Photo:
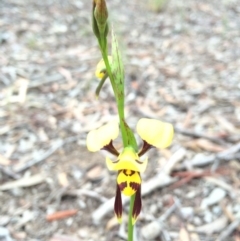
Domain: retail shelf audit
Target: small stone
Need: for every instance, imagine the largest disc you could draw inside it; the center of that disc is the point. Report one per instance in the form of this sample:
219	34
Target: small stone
17	192
208	217
214	197
69	221
187	212
236	208
4	220
217	210
197	221
191	194
76	127
4	234
82	204
153	209
151	230
83	233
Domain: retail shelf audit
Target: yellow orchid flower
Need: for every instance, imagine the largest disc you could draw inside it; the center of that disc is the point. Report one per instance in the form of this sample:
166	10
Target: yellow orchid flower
101	68
128	165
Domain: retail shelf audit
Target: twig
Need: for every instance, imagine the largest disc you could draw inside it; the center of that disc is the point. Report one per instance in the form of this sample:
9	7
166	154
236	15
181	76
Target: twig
228	230
89	193
173	160
166	215
48	153
48	80
199	135
227	155
61	215
187	176
9	172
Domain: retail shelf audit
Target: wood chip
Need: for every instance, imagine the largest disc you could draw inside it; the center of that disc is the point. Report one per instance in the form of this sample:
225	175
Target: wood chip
63	180
4	161
61	215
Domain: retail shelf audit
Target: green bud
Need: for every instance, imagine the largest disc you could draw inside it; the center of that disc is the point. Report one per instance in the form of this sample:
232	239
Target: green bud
101	15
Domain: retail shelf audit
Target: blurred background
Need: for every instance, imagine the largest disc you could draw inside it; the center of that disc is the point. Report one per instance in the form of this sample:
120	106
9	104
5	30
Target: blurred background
182	65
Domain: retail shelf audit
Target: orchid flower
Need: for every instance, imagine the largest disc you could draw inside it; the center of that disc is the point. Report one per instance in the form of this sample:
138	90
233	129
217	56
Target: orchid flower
154	133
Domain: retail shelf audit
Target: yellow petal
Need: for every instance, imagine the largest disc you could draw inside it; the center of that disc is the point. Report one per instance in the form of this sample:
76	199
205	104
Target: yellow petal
155	132
108	132
101	68
93	144
128	159
97	139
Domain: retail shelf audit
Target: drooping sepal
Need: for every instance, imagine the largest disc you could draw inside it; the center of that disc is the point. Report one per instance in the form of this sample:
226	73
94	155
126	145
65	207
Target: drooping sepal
118	204
137	206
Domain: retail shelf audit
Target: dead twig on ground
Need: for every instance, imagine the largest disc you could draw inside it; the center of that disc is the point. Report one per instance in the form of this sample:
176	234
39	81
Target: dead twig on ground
185	132
88	193
48	153
9	172
187	176
228	230
232	153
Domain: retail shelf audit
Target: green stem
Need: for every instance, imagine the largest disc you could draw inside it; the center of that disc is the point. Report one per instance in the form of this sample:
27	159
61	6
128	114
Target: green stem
130	226
100	85
120	105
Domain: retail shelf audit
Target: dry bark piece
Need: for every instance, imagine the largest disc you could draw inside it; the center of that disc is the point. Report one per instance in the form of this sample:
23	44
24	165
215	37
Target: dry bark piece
213	227
61	215
60	237
24	182
184	235
63	180
4	161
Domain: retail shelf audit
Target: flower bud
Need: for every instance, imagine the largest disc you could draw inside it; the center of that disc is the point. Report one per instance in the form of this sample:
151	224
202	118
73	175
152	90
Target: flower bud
100	16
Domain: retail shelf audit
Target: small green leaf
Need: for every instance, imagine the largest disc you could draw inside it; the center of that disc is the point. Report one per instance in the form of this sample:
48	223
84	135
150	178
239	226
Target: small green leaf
117	70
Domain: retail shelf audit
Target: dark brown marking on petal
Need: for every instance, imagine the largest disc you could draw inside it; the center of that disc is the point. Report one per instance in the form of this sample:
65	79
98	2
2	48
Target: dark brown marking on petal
118	203
145	148
134	185
126	172
110	148
122	185
137	206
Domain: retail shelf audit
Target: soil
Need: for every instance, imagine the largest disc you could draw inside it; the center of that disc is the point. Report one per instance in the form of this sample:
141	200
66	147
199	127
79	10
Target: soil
181	65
